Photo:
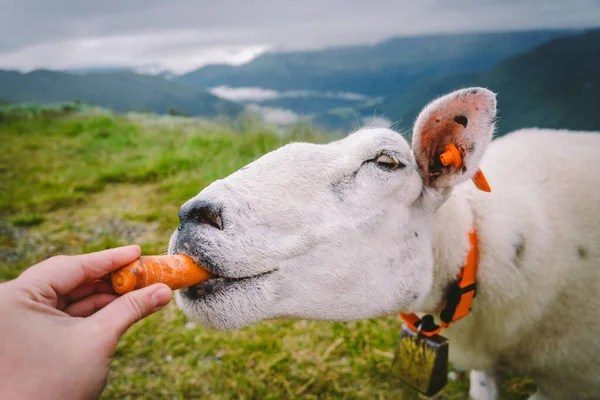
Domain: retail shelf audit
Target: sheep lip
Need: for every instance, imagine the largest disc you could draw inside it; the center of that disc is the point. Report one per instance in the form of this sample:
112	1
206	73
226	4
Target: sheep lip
218	284
212	269
239	278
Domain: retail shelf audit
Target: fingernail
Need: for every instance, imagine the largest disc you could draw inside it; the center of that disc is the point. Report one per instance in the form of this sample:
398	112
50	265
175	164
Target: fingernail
161	297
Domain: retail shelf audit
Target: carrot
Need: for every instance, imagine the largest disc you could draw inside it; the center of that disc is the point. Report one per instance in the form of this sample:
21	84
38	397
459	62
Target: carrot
176	271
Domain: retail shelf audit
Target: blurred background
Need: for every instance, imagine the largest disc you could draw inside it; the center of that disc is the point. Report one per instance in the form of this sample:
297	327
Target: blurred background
114	113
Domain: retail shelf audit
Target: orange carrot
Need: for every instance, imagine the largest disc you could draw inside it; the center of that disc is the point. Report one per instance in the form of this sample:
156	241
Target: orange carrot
176	271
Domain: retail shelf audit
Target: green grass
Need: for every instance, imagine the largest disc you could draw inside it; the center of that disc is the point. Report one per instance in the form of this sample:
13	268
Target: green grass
80	182
28	220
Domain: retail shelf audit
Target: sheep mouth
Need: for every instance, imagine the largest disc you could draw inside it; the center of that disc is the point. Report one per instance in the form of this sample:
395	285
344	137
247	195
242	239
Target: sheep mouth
220	284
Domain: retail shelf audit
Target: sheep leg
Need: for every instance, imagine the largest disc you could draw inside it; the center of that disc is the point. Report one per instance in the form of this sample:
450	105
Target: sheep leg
483	385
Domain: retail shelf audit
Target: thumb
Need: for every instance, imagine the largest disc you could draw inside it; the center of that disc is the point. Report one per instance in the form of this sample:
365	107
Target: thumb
128	309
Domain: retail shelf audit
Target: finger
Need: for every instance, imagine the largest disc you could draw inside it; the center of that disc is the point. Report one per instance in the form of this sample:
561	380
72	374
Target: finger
89	305
65	273
88	289
128	309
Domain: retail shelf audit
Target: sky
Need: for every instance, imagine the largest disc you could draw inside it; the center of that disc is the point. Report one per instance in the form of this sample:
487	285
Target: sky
182	35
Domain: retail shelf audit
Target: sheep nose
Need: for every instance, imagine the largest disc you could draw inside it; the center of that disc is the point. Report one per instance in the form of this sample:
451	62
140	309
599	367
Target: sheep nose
201	212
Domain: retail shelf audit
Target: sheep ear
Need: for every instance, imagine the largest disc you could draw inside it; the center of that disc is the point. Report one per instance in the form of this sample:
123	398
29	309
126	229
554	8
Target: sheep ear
465	119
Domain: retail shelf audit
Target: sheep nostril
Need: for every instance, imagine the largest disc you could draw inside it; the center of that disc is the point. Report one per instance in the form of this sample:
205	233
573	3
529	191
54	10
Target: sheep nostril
212	220
203	213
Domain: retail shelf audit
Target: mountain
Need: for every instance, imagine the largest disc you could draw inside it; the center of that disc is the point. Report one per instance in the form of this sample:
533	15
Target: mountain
372	70
119	90
555	85
543	78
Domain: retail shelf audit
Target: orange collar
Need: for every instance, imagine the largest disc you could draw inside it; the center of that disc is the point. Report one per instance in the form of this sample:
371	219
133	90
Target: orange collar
461	293
458	300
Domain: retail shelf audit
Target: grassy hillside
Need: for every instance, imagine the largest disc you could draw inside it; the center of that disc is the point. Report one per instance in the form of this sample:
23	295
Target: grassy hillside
555	85
77	182
375	69
119	91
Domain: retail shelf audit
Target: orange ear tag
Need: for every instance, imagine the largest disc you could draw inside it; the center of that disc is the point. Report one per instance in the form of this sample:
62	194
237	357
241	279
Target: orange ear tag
452	157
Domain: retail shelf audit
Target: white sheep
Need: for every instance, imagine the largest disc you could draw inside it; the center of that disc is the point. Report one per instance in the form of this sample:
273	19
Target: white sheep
364	227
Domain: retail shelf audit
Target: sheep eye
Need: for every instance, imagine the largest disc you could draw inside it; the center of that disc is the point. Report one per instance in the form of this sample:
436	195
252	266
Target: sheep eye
386	162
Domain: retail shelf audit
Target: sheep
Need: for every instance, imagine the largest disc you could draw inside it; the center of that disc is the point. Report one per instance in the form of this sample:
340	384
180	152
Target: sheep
365	226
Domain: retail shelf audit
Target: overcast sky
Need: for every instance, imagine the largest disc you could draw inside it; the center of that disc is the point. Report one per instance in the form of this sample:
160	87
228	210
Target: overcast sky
181	35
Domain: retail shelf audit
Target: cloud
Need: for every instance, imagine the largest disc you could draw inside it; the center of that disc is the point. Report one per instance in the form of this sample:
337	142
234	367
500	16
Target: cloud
175	51
244	93
260	94
275	115
183	34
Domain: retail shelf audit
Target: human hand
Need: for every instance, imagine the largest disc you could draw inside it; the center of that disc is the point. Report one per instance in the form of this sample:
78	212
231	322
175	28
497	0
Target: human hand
60	322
